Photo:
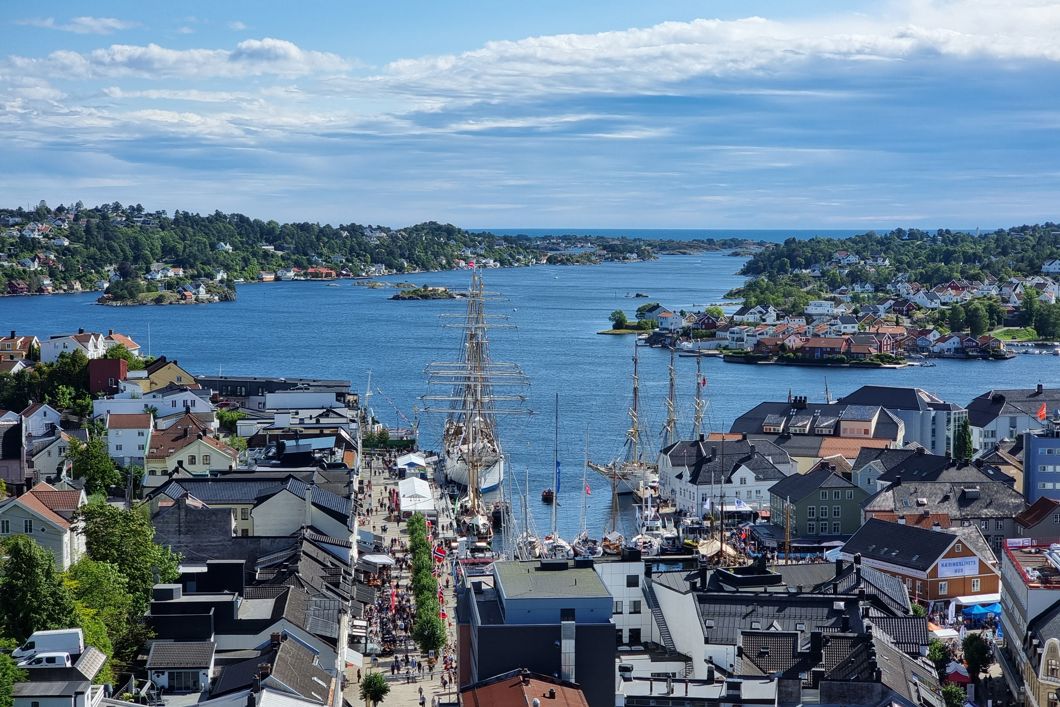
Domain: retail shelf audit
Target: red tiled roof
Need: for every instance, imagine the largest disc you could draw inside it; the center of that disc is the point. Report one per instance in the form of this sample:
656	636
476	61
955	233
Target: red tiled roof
30	501
124	341
1038	511
182	433
58	501
129	421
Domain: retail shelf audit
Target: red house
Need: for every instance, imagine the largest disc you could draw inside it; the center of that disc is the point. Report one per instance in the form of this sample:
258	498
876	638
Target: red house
105	373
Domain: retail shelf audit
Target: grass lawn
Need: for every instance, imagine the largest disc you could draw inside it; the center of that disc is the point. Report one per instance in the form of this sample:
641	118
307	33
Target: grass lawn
1016	334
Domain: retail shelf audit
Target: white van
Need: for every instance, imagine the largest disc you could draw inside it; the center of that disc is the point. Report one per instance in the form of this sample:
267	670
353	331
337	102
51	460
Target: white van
48	660
64	640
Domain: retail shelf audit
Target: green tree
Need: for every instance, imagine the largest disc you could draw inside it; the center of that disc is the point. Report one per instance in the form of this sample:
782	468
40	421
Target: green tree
9	673
92	462
940	656
976	654
715	311
95	633
374	688
32	594
125	538
962	443
919	610
429	632
1029	306
618	319
953	695
134	362
3	489
978	321
956	318
101	587
227	419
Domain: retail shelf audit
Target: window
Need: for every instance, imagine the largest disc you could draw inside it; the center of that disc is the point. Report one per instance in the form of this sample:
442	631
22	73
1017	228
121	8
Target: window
632	580
116	447
999	525
758	493
850	495
634	606
836	528
139	433
836	495
1056	518
975	584
244	513
836	512
824	511
245	532
140	447
5	527
1053	668
811	528
958	548
944	587
205	458
618	607
811	512
634	636
191	459
824	495
27	525
743	481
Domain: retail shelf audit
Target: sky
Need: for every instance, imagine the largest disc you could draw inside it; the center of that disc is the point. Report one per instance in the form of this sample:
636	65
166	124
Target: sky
588	114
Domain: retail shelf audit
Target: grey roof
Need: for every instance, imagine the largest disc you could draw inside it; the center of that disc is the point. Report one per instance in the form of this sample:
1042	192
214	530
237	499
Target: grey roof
798	486
715	461
752	421
892	398
859	412
921	466
252	489
180	654
914	680
960	500
724	616
902	545
295	666
1016	401
527	579
1046	625
908	633
50	688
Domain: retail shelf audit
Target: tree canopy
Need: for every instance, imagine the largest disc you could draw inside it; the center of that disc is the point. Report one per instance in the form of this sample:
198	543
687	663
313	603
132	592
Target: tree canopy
32	594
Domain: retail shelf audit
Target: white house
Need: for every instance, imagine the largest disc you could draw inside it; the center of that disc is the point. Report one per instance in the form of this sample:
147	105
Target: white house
128	437
1051	267
820	308
40	420
89	343
45	514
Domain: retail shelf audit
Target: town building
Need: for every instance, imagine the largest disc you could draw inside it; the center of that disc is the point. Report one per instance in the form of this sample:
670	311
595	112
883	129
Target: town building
929	421
250	391
1007	414
1041	462
17	347
519	688
819	503
46	515
186	446
551	617
129	437
946	566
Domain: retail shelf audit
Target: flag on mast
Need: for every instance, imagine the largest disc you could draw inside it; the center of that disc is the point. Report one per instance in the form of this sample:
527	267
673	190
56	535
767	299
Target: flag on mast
1042	413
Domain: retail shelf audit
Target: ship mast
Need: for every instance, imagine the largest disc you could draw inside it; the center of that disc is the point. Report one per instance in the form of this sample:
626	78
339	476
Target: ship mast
670	430
634	426
555	466
697	406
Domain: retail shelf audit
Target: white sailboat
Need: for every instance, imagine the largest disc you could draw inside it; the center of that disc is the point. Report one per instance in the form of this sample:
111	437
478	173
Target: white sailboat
527	544
553	546
585	546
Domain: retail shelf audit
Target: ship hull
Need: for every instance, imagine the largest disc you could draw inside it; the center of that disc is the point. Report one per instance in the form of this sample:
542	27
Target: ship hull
489	478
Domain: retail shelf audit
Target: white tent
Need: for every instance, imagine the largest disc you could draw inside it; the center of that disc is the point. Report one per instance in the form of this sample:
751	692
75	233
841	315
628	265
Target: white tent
411	462
414	496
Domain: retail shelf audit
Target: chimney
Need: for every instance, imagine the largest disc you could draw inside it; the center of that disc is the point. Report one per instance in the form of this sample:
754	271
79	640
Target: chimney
857	559
551	694
567	648
838	566
81	330
12	333
845	625
835	587
921	451
1040	389
524	676
937	527
816	642
110	332
901	520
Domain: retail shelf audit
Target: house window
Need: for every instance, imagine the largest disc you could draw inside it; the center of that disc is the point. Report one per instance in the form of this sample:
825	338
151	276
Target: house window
1056	518
172	403
944	587
116	446
811	528
999	525
850	495
975	584
836	495
634	636
244	532
139	433
836	528
634	606
824	495
811	512
743	481
1053	668
618	607
27	525
244	513
958	548
632	580
5	527
191	459
836	513
824	511
758	493
205	458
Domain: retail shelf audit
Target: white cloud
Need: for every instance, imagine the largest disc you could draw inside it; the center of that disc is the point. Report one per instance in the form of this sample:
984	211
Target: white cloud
237	26
251	57
81	25
185	30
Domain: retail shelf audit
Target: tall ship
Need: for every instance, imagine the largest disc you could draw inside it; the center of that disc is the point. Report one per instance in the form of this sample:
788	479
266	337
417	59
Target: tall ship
632	473
474	391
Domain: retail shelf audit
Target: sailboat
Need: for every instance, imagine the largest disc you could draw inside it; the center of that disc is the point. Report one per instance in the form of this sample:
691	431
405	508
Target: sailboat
527	545
553	546
583	545
632	472
469	436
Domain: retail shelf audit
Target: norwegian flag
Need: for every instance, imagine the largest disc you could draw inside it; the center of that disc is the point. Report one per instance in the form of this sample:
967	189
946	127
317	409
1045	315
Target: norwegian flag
588	491
439	553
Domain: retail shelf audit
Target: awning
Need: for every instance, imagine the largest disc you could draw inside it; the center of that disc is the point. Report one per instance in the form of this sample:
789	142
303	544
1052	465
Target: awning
978	599
381	560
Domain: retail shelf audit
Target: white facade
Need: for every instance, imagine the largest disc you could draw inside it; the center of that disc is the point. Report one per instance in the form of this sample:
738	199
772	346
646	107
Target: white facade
128	446
299	399
820	308
284	513
691	498
92	345
624	581
42	421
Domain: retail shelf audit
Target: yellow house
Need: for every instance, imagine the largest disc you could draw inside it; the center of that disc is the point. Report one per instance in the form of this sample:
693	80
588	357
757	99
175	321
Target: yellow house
163	372
186	445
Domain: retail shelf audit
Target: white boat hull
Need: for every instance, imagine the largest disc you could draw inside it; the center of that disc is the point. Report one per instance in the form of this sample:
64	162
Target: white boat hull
488	479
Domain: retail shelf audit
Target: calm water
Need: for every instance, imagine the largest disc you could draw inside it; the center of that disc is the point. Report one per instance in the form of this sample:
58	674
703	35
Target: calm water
311	329
687	234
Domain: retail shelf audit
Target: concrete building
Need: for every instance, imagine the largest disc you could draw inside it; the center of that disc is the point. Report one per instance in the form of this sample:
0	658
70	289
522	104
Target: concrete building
929	421
1041	462
551	617
129	437
1007	414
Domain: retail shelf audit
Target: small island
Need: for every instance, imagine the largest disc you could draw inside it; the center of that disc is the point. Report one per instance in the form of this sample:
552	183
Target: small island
136	292
425	293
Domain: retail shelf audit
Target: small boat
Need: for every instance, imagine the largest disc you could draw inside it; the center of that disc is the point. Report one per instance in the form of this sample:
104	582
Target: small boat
612	543
528	547
584	546
553	547
548	496
648	545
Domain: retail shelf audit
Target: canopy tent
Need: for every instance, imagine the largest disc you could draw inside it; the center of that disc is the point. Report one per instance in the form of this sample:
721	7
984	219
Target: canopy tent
380	560
412	461
980	611
833	554
957	673
414	496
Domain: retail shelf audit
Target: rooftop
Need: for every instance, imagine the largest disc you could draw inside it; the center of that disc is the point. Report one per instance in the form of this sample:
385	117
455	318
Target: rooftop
520	580
180	654
1038	565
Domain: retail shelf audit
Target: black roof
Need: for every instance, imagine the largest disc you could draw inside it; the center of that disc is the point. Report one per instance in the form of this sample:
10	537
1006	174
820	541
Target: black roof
798	486
1017	401
715	461
892	398
291	664
961	500
752	421
902	545
922	466
908	633
180	654
723	616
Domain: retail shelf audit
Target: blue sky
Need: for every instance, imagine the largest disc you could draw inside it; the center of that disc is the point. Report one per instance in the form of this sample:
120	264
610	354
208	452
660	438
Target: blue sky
546	114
